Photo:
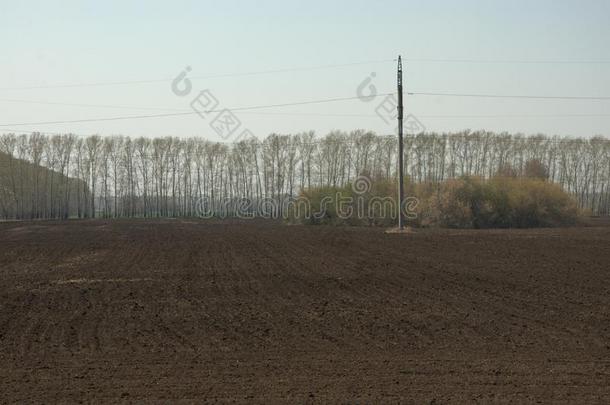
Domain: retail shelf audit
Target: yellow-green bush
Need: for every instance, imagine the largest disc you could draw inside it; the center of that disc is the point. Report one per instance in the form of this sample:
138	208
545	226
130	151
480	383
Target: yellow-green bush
469	202
501	202
345	205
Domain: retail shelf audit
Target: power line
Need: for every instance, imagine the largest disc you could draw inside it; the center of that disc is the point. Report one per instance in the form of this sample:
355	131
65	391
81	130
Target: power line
210	76
510	61
314	114
304	69
330	100
331	115
510	96
434	116
121	107
475	95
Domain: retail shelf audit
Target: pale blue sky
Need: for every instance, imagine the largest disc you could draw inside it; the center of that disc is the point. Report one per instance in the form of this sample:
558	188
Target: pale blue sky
68	42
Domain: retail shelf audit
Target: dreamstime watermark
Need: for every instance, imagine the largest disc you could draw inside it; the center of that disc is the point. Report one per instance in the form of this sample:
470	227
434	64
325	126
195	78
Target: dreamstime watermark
359	204
225	122
387	109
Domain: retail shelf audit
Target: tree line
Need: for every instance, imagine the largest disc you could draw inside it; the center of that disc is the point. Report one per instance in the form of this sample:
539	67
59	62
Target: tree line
64	176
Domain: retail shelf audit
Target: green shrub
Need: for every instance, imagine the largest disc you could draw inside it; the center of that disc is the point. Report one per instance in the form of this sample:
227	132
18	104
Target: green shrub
502	202
347	205
468	202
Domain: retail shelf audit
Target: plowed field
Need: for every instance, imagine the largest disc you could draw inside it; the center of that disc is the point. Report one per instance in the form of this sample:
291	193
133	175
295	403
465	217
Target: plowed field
194	311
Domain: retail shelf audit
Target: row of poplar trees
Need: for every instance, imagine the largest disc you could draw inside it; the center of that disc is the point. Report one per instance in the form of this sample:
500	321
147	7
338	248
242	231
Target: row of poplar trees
65	176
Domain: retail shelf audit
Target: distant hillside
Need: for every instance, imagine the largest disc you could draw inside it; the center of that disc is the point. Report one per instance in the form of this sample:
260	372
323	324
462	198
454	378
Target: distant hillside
29	191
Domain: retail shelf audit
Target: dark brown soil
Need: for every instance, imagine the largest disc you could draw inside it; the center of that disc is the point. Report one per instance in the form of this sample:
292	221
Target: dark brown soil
192	311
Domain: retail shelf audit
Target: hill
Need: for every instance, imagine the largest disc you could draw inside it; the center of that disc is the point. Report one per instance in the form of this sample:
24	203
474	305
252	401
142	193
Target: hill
30	191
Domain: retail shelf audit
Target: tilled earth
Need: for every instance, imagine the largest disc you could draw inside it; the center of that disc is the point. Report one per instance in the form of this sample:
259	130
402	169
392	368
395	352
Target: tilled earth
258	312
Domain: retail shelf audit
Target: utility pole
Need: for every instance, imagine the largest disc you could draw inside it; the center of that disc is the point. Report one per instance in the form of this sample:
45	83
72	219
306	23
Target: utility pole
401	184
